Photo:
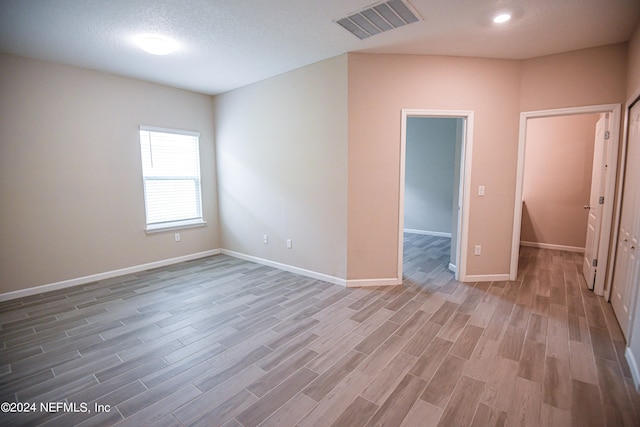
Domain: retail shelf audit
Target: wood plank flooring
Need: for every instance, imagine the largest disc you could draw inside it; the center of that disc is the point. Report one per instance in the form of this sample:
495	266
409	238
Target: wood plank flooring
224	342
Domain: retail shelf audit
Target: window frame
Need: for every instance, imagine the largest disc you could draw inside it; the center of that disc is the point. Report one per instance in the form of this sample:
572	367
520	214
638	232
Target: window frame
179	223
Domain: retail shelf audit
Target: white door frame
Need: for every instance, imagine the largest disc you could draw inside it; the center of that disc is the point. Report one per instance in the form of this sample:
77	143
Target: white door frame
602	280
465	183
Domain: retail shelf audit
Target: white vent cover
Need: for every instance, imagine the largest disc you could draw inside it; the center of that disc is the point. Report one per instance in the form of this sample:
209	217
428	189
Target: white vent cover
379	18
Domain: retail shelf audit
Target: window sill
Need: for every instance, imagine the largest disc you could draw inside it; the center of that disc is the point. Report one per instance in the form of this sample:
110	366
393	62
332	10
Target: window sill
168	226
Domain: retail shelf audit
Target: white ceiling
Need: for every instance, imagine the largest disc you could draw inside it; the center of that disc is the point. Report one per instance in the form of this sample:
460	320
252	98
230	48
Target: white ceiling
225	44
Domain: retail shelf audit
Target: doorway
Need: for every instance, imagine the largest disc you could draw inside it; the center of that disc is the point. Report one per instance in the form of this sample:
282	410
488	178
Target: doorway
608	189
456	187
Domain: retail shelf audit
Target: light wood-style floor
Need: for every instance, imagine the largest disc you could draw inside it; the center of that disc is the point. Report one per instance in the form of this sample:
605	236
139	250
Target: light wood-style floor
221	341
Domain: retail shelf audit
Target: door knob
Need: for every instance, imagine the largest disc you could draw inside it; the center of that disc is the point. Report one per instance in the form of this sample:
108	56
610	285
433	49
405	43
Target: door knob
587	207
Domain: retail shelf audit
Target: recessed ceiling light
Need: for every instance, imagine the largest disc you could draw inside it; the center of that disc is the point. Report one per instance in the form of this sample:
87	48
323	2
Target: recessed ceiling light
502	18
156	45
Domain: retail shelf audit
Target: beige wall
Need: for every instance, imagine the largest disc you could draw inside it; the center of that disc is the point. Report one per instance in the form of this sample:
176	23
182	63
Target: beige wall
282	164
380	86
557	179
572	79
633	72
70	176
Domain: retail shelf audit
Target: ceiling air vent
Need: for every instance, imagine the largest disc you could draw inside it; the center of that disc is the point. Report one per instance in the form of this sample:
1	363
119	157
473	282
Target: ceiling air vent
379	18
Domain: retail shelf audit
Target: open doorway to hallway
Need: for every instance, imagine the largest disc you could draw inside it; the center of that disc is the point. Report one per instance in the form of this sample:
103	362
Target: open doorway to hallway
432	181
559	166
433	163
531	202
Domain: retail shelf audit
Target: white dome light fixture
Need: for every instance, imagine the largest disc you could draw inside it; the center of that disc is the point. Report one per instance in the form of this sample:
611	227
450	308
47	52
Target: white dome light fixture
156	45
501	18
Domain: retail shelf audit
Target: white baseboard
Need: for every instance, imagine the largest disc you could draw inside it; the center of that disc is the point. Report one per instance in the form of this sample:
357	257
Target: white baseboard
285	267
633	367
428	233
361	283
102	276
314	274
552	246
453	268
163	263
486	277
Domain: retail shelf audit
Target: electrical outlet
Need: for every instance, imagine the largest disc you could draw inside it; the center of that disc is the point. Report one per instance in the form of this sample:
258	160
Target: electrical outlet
481	190
265	239
477	250
176	237
289	243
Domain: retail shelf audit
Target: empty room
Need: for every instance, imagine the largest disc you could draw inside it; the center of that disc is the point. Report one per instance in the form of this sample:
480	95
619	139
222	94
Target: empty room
283	213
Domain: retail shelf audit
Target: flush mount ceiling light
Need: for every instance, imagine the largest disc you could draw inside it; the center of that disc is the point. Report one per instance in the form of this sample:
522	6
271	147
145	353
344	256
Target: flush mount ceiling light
501	18
379	18
156	45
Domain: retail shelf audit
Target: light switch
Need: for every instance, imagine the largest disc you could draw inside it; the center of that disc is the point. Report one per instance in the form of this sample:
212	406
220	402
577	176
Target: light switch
481	190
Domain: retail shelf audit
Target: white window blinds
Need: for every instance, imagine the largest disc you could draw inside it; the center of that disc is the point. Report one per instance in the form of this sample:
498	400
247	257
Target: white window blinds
171	175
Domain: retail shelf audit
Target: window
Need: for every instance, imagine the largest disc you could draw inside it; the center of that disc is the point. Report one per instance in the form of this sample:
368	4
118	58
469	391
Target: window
171	176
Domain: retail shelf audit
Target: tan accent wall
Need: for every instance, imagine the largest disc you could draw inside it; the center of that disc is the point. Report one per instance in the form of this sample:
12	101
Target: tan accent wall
583	77
282	164
557	179
71	197
380	86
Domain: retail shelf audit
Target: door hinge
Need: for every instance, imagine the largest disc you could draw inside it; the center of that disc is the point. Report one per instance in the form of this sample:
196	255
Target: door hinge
607	134
601	200
594	263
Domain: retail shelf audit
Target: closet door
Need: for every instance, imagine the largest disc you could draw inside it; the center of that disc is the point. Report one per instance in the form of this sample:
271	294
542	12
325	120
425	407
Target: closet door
626	276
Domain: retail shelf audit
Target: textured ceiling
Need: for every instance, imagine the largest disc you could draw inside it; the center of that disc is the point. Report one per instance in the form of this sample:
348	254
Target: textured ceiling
225	44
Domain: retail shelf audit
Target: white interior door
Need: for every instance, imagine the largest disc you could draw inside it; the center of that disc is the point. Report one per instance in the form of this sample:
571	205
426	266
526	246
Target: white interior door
598	185
626	276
